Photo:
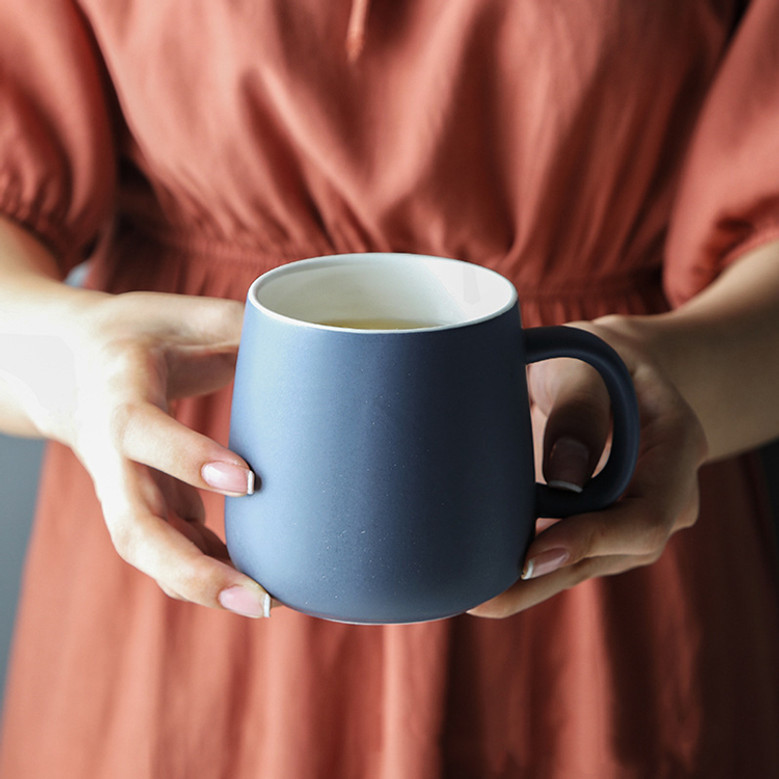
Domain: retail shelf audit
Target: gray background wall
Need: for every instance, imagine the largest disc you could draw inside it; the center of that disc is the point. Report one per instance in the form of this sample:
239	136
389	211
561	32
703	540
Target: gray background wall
19	462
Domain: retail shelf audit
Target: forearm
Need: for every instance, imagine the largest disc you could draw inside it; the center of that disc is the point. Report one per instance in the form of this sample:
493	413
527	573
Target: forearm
35	309
721	350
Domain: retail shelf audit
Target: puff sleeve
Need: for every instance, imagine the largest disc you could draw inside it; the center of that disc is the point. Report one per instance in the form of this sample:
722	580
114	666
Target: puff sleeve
728	200
57	160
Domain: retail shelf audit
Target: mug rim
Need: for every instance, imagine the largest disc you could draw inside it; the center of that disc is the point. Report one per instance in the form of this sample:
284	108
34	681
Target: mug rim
302	265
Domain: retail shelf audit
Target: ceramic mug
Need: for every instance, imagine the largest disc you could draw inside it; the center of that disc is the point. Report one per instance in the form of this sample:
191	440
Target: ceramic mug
381	399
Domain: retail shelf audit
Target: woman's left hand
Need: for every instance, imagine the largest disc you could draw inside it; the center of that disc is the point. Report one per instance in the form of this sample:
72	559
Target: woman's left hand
661	498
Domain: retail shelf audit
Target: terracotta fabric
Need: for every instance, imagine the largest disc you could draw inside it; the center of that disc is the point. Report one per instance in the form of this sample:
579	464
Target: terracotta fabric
588	149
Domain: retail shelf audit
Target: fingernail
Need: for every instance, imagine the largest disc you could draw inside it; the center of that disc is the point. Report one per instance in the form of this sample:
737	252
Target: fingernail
545	562
568	486
229	478
244	602
569	465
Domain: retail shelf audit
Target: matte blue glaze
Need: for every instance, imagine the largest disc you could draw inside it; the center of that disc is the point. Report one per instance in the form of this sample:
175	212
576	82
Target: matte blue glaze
396	477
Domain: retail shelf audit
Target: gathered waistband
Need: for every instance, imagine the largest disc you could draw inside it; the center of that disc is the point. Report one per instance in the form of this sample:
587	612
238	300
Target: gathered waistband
142	256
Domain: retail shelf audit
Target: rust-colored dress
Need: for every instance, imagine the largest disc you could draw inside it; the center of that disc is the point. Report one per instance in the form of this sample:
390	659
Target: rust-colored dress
607	155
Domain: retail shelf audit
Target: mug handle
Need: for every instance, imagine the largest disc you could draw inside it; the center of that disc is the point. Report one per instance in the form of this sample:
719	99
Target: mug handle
544	343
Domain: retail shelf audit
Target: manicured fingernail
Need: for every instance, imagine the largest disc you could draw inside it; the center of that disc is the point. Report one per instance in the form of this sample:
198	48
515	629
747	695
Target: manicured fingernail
545	562
568	486
244	602
228	478
569	465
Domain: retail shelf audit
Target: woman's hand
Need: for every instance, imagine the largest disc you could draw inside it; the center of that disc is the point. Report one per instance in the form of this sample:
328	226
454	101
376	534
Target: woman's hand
101	382
692	367
663	494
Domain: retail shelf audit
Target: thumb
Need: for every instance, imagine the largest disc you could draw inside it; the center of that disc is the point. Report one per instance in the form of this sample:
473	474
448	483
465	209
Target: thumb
574	399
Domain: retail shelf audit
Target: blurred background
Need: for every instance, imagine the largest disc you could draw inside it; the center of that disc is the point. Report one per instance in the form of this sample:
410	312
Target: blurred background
19	465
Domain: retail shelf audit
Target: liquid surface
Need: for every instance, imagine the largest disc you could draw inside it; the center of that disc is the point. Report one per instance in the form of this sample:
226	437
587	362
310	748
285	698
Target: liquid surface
380	323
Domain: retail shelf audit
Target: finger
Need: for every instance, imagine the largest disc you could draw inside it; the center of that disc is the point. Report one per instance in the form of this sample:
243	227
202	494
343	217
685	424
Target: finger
217	321
202	537
657	504
576	402
181	499
131	505
525	594
201	320
186	513
157	549
145	434
199	370
634	528
663	494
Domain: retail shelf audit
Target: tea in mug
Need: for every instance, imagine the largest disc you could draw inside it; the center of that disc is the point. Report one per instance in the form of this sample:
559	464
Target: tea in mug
381	323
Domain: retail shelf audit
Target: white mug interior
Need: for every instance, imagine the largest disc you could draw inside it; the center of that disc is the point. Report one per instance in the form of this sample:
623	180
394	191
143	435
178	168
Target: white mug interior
433	291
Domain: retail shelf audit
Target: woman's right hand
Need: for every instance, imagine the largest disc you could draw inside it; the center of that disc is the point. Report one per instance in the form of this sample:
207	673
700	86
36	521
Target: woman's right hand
97	372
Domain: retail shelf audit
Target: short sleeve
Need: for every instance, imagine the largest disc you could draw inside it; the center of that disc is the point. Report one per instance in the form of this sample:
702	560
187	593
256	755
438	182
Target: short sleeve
728	199
57	161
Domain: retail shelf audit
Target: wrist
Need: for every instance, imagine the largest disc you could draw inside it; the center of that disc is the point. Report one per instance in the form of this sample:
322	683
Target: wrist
655	339
723	366
41	328
671	351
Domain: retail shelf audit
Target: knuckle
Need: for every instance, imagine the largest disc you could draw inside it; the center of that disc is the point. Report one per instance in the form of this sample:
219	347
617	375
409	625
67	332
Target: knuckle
498	608
645	560
506	609
169	591
594	538
132	361
231	311
181	579
125	541
194	581
581	571
122	417
652	558
689	516
610	321
654	535
222	316
586	396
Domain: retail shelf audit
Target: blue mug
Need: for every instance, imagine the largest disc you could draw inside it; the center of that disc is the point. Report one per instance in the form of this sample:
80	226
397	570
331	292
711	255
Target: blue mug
382	401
